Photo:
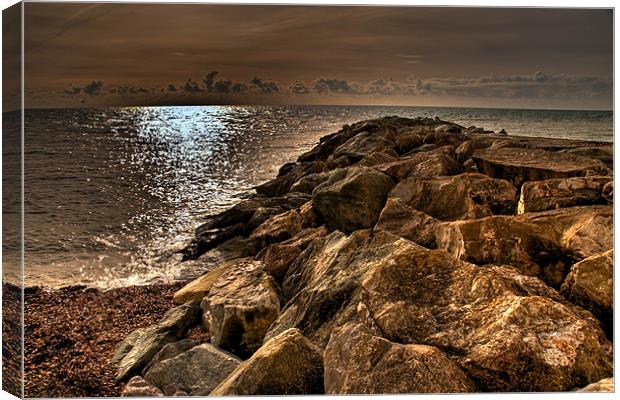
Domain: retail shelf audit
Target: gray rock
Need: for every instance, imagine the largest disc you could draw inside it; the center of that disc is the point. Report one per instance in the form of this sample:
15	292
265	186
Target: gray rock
171	350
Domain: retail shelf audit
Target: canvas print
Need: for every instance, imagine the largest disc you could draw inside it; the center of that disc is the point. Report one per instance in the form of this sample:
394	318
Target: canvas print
226	199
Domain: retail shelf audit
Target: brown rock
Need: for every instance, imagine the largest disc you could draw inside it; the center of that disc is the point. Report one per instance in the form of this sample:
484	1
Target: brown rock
508	331
560	193
138	387
198	288
401	220
288	364
358	362
278	228
604	385
240	306
428	164
309	182
363	144
377	157
352	198
283	183
522	165
464	196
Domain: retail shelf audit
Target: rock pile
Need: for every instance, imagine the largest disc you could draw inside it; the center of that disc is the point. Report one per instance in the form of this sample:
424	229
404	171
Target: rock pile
399	256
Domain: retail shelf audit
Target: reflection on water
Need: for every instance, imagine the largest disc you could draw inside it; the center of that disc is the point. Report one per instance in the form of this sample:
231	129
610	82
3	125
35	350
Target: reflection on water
112	193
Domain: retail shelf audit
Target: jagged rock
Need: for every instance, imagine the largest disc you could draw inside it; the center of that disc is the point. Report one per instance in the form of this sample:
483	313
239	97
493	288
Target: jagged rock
171	350
401	220
126	345
597	153
464	196
428	164
288	364
508	331
446	138
150	341
196	371
283	183
522	165
359	362
240	306
406	140
590	285
466	149
278	257
559	193
352	198
377	157
309	182
138	387
540	244
198	288
279	228
363	144
604	385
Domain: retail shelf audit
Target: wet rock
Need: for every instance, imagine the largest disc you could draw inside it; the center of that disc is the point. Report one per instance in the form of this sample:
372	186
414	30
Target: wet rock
172	350
240	306
590	285
540	244
464	196
363	144
196	371
508	331
604	385
288	364
278	257
138	387
282	184
359	362
560	193
401	220
523	165
352	199
437	162
151	340
278	228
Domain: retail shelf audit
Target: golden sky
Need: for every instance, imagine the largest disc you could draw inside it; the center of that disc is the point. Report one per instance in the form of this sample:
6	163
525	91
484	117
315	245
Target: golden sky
119	54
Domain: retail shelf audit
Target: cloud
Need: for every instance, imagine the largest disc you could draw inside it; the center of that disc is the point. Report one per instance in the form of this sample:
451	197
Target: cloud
383	86
260	86
93	88
171	88
191	86
72	90
209	80
223	86
239	88
327	85
299	87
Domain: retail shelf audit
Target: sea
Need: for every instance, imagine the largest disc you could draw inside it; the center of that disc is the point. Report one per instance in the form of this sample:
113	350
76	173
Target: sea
112	195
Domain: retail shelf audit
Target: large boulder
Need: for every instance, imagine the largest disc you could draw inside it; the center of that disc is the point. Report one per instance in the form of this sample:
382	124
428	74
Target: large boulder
540	244
288	364
426	164
309	182
352	198
377	157
590	285
508	331
359	362
363	144
196	371
464	196
523	165
283	183
141	347
278	257
199	287
172	350
240	306
560	193
279	228
604	154
401	220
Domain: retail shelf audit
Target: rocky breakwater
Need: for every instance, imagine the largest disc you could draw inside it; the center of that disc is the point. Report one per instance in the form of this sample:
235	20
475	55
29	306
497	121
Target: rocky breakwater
399	256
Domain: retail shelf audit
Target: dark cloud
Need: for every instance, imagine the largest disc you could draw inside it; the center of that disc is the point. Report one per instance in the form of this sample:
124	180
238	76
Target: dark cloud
191	86
384	87
261	86
93	88
299	87
209	79
171	88
223	86
327	85
239	88
72	90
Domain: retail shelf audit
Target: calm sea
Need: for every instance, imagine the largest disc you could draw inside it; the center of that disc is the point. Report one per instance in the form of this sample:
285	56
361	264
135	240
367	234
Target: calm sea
112	194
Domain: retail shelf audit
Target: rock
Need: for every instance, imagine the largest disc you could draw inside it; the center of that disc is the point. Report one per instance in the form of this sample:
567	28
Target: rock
198	288
559	193
278	257
464	196
240	306
282	184
597	153
172	350
309	182
406	140
608	192
138	387
446	138
151	340
540	244
508	331
466	149
401	220
470	166
363	144
428	164
352	198
377	157
589	284
604	385
196	371
522	165
278	228
359	362
288	364
126	345
503	132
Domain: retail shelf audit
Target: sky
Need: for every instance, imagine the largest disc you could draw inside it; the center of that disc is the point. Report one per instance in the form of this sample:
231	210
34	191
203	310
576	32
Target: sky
82	55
